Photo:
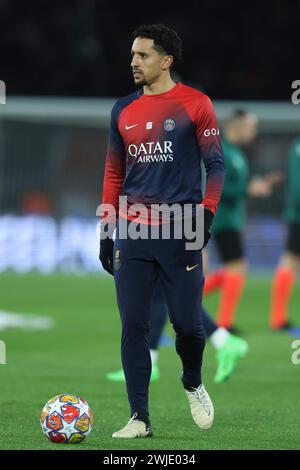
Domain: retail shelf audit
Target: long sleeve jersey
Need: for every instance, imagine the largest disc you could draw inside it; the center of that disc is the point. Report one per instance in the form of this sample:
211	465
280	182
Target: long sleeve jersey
232	207
156	145
293	194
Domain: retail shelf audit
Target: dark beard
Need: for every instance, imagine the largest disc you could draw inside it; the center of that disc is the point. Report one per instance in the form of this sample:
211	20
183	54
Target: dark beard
141	83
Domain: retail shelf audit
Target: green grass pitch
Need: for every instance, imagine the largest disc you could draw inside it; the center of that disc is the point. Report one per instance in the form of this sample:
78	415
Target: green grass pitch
258	408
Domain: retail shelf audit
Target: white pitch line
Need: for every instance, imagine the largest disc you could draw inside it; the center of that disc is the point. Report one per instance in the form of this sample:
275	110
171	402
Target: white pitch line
25	321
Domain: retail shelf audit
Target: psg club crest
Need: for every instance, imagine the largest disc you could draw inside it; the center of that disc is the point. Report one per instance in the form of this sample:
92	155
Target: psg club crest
169	124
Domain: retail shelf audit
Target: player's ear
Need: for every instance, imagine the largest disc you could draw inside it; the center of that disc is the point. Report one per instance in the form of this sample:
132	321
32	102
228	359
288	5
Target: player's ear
167	62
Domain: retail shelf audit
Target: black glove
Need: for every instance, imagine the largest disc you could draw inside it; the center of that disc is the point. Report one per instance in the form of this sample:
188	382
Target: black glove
208	218
106	255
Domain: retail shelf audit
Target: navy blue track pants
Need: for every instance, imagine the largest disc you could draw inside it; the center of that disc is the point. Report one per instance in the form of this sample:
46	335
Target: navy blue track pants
138	265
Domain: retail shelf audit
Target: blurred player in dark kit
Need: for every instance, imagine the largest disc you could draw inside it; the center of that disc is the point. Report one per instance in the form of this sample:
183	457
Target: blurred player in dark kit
287	270
240	129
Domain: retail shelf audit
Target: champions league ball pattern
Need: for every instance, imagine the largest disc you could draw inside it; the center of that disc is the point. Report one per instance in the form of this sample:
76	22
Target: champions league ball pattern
66	419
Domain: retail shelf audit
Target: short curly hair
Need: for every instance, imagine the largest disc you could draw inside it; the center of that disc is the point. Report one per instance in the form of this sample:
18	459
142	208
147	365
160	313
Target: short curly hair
166	40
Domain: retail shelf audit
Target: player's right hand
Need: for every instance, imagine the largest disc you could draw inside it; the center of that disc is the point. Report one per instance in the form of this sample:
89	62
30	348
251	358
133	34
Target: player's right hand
106	255
208	218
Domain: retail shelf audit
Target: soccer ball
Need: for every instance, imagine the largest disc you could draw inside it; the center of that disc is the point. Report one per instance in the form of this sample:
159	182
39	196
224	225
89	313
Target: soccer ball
66	419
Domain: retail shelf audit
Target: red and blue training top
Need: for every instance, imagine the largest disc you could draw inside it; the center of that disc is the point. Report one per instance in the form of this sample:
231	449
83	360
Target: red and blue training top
156	145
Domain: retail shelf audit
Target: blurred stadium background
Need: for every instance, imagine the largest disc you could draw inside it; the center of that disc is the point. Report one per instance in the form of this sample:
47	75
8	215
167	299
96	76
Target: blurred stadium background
64	63
52	146
52	164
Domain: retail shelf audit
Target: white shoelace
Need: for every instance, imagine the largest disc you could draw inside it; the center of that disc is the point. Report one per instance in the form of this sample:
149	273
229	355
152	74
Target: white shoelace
132	418
201	394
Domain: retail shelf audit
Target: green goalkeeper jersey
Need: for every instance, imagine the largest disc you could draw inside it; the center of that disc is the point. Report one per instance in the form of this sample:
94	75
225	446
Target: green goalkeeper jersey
292	212
231	210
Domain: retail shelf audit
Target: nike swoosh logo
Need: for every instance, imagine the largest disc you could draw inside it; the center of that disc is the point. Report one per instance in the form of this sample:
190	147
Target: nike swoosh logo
190	268
130	127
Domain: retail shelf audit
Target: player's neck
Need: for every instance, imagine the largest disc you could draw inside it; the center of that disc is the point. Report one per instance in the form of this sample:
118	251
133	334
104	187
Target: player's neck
161	86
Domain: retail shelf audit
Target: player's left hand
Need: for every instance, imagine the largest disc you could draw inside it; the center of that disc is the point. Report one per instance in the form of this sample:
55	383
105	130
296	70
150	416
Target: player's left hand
208	218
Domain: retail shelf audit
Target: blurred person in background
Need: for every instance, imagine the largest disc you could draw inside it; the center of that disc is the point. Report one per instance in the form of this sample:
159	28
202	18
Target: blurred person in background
287	270
240	130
